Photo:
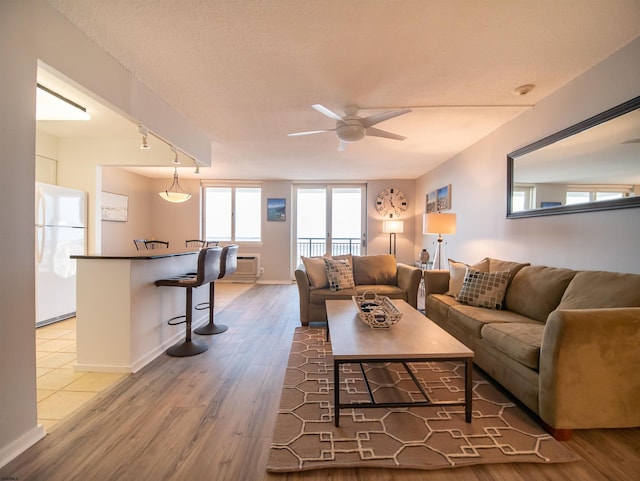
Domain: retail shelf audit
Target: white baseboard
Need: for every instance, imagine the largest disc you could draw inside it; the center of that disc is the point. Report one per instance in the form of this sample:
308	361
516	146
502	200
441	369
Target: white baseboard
138	364
20	445
283	283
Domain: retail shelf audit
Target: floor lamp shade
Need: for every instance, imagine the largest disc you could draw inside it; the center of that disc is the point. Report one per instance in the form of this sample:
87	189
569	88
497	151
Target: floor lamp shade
438	223
392	227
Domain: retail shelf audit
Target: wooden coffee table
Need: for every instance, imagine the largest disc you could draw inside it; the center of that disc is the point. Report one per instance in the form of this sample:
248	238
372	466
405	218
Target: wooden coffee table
413	339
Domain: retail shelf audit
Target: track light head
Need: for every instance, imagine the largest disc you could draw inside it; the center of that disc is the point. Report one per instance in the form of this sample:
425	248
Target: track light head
175	161
145	134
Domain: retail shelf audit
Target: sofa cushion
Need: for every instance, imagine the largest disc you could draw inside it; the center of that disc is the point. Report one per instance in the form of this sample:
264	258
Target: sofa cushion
380	269
484	289
339	274
475	318
436	306
319	296
457	270
316	271
598	289
393	292
535	291
518	340
500	265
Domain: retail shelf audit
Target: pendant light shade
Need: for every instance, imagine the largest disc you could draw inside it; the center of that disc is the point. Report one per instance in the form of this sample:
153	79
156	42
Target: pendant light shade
175	193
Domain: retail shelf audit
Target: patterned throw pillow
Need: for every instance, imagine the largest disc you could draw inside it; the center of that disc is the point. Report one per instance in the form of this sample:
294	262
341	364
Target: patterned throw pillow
339	274
484	289
457	271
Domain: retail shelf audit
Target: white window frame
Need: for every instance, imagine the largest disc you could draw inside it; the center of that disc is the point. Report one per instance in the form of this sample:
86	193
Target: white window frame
233	186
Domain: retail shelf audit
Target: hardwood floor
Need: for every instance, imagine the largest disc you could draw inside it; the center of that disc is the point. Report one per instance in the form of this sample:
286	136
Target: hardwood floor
211	417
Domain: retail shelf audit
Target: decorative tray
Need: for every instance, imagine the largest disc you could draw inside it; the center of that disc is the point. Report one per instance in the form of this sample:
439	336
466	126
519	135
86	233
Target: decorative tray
376	311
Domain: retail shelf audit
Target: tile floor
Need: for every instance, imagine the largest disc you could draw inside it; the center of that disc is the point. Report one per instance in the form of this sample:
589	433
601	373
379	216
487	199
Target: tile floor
61	390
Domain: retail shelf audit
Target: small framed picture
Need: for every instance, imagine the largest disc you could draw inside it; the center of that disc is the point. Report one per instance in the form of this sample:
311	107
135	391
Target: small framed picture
276	210
115	207
439	200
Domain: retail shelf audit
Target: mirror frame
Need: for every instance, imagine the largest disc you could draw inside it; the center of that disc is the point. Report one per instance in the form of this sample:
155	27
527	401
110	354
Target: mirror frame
625	203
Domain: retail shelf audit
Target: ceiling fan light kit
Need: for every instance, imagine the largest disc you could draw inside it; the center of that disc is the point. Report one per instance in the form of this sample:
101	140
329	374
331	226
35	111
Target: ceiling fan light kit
350	132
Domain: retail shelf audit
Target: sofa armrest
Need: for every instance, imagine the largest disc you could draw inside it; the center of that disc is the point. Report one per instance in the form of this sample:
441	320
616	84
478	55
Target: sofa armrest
409	280
589	375
436	282
304	286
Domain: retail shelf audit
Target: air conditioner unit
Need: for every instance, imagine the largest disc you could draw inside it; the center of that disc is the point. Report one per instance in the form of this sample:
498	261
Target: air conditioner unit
248	269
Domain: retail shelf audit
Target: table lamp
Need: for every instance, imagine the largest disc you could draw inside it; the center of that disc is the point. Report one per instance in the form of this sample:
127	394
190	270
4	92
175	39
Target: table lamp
438	223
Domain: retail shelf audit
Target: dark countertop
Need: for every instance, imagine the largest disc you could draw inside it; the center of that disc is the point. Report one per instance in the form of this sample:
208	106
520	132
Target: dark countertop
148	254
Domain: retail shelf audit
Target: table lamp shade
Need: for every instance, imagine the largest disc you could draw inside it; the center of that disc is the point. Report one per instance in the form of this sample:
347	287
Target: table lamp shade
439	223
393	227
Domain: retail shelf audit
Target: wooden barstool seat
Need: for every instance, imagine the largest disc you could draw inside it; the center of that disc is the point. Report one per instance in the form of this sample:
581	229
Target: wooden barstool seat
208	271
228	265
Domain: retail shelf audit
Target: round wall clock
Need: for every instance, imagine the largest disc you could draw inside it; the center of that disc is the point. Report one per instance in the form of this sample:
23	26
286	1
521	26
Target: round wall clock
391	203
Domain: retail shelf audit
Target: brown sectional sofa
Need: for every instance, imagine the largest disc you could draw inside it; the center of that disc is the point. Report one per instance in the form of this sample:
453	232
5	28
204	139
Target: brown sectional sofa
380	274
566	343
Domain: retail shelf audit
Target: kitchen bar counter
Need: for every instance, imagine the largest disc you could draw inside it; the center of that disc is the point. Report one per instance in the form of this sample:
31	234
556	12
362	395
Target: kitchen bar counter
122	315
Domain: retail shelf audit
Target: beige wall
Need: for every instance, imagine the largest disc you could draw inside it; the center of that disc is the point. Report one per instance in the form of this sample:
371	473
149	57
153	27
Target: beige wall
117	237
605	240
152	217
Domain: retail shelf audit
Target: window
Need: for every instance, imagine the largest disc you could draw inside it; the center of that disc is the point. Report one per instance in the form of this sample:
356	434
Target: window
583	194
232	213
523	197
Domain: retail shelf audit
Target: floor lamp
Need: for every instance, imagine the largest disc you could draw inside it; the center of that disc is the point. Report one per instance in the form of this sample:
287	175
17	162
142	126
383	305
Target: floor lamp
393	227
438	223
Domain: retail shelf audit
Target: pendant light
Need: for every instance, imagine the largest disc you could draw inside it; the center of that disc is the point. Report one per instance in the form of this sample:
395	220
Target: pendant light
175	193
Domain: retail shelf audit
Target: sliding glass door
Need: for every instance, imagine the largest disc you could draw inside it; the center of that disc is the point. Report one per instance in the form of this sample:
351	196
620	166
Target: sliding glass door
329	219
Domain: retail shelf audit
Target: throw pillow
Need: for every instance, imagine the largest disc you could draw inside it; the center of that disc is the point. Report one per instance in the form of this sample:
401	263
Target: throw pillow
316	272
339	274
457	271
484	289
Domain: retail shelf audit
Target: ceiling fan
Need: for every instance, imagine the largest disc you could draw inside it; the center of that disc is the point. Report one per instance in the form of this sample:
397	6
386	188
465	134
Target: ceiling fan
353	128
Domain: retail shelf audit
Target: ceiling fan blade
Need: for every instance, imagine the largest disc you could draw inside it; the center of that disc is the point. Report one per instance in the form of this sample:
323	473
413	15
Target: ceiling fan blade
342	146
377	118
373	132
297	134
325	111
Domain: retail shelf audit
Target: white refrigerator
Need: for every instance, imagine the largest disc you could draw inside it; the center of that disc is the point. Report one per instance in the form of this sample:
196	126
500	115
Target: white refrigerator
60	233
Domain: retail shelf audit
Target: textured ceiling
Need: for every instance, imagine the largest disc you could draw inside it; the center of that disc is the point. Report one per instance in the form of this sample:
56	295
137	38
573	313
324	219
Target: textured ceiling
248	72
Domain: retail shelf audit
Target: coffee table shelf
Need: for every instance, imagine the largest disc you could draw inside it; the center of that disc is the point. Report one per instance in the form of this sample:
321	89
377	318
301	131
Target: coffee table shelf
414	339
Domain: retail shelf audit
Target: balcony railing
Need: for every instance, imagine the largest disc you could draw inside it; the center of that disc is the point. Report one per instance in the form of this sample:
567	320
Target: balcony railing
316	246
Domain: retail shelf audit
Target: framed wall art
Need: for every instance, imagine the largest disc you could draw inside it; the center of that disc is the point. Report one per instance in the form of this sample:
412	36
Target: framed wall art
115	207
276	210
439	200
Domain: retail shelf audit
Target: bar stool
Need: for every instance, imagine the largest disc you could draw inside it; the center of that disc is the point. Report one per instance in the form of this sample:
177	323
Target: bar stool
228	265
208	271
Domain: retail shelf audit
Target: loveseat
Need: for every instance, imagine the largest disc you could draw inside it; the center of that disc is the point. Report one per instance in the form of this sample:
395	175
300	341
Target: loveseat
566	343
378	273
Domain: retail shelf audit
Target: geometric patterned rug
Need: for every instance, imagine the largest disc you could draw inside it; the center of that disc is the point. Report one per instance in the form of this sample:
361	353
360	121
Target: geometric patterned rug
305	436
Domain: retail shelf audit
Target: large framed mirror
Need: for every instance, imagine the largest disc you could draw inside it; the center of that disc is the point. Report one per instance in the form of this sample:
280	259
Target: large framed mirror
593	165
